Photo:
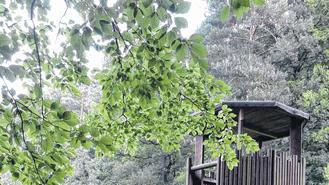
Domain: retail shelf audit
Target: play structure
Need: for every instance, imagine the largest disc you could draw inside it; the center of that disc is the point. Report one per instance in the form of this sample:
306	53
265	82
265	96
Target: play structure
263	121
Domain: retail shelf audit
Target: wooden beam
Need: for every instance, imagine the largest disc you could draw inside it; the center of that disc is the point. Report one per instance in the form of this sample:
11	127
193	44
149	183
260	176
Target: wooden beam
204	166
296	137
256	131
265	104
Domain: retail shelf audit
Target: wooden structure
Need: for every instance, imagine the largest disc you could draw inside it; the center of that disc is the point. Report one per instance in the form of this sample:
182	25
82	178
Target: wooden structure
263	121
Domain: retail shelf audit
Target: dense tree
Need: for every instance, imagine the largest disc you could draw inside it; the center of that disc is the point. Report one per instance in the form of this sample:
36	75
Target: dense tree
232	59
317	102
248	49
271	54
149	166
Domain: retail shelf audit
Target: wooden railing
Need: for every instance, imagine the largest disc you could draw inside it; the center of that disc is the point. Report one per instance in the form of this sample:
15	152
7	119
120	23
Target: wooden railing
262	168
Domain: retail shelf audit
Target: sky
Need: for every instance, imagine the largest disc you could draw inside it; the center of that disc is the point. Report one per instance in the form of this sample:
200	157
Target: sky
194	17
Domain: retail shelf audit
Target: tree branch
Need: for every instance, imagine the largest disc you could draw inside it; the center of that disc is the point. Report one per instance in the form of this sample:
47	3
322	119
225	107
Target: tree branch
60	20
43	118
18	111
35	38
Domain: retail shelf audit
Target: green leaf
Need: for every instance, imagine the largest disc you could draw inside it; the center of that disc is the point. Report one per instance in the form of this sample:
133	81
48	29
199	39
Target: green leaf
54	105
127	36
18	70
154	22
199	49
141	20
15	175
106	27
181	51
7	73
67	115
86	37
183	7
106	140
258	2
64	125
2	70
196	38
47	144
147	3
181	22
165	4
241	11
225	14
75	91
203	64
162	14
4	40
37	91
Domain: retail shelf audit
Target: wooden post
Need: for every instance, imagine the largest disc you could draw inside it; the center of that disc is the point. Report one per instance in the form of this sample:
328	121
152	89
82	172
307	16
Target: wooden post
188	172
199	156
199	150
218	170
296	138
260	144
240	122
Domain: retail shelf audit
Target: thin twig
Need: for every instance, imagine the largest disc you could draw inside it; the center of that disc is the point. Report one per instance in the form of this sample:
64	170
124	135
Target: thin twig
35	38
14	103
60	20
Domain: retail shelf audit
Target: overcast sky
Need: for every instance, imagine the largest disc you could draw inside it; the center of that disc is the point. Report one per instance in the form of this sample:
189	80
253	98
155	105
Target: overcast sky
194	17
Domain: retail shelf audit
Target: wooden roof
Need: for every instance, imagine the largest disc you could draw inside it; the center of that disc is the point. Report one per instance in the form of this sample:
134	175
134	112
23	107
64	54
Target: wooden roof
266	120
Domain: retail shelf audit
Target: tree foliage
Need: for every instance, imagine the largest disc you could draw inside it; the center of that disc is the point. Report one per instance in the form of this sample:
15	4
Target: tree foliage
156	87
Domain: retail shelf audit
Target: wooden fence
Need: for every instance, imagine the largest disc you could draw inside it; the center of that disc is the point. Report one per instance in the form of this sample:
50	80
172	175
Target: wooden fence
263	168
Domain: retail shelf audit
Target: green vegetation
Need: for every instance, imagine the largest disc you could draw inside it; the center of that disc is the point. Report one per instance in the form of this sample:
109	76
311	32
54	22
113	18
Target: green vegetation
153	82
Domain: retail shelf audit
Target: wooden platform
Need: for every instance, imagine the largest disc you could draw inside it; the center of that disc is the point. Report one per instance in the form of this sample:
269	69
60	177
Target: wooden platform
262	168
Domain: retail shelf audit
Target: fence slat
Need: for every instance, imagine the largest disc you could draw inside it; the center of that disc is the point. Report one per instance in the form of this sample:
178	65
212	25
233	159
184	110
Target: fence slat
294	174
230	180
298	174
274	169
248	163
257	168
240	170
253	170
265	169
244	170
281	169
284	170
304	168
235	176
226	174
261	171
